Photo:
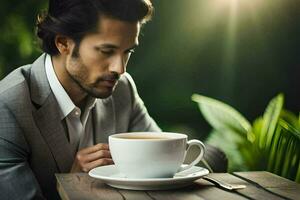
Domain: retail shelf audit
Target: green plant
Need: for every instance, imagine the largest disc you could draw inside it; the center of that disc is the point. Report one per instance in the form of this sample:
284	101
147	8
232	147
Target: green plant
271	143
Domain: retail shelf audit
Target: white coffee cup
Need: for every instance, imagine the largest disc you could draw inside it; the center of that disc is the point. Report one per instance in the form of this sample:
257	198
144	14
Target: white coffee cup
152	154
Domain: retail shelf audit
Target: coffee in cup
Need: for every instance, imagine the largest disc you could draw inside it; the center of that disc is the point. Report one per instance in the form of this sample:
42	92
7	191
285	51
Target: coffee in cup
152	154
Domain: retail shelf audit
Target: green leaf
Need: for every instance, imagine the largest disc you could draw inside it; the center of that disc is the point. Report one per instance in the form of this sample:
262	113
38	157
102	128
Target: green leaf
291	118
270	120
256	128
297	179
290	151
281	151
222	116
273	149
284	154
229	143
292	171
272	143
292	157
292	130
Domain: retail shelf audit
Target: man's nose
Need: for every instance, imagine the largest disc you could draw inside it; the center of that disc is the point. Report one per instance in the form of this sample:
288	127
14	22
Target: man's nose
118	65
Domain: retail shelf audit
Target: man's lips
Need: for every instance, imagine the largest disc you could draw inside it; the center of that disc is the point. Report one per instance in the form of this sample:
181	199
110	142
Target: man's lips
109	82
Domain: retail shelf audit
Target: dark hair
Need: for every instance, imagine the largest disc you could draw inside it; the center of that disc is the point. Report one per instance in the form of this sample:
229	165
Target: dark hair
76	18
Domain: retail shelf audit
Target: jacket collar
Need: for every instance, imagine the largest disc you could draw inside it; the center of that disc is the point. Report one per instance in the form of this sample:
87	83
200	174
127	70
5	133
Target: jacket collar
47	116
40	88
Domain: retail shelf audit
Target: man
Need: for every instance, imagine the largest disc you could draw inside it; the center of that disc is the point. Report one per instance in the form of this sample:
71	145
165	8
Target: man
71	98
57	113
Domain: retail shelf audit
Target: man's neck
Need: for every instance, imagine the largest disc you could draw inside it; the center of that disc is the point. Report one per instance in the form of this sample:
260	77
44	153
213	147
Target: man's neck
75	92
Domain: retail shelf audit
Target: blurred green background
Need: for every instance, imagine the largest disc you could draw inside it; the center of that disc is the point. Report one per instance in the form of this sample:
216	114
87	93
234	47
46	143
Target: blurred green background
242	52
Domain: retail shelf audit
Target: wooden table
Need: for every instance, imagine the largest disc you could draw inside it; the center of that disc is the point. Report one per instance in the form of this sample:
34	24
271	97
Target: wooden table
260	185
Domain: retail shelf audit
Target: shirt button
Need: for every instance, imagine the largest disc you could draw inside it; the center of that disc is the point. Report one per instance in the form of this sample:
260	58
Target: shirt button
77	113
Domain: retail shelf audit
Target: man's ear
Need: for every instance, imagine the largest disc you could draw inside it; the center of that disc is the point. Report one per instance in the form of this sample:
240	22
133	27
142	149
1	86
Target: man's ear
63	44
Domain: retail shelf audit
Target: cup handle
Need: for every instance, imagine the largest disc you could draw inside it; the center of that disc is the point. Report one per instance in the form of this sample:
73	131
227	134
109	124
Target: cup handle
199	157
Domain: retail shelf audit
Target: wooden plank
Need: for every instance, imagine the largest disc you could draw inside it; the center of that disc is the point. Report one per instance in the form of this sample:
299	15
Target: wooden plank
63	194
82	187
273	183
186	193
267	179
132	195
200	190
289	193
213	193
251	191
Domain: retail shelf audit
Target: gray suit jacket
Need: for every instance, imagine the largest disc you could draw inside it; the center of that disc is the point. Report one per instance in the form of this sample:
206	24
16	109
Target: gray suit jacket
33	141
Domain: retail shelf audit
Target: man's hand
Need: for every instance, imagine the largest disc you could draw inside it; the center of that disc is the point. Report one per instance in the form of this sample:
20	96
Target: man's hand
91	157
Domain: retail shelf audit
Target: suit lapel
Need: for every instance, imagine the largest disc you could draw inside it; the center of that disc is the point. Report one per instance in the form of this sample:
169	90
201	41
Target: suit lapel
104	120
48	121
47	116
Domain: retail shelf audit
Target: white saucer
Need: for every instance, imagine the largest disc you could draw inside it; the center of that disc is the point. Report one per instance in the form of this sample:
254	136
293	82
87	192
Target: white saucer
111	176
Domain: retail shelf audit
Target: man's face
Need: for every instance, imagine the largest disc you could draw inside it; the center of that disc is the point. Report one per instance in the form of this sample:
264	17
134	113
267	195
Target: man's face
96	65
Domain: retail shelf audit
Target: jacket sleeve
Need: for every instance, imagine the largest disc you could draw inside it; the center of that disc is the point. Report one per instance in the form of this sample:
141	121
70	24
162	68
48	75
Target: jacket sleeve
140	120
17	181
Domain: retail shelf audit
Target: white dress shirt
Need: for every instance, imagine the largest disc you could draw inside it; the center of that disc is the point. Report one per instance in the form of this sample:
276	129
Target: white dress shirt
79	124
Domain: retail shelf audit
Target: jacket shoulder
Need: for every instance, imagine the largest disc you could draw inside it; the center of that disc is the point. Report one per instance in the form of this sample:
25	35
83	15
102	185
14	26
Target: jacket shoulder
15	84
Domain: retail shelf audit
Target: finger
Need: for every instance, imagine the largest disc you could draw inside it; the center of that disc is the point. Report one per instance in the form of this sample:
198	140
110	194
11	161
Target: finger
97	163
101	146
98	155
97	147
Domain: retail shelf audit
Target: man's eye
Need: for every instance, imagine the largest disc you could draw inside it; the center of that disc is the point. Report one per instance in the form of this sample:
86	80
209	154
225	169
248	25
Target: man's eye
107	52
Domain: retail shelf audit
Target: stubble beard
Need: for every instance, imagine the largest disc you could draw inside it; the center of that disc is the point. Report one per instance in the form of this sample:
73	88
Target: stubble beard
79	79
